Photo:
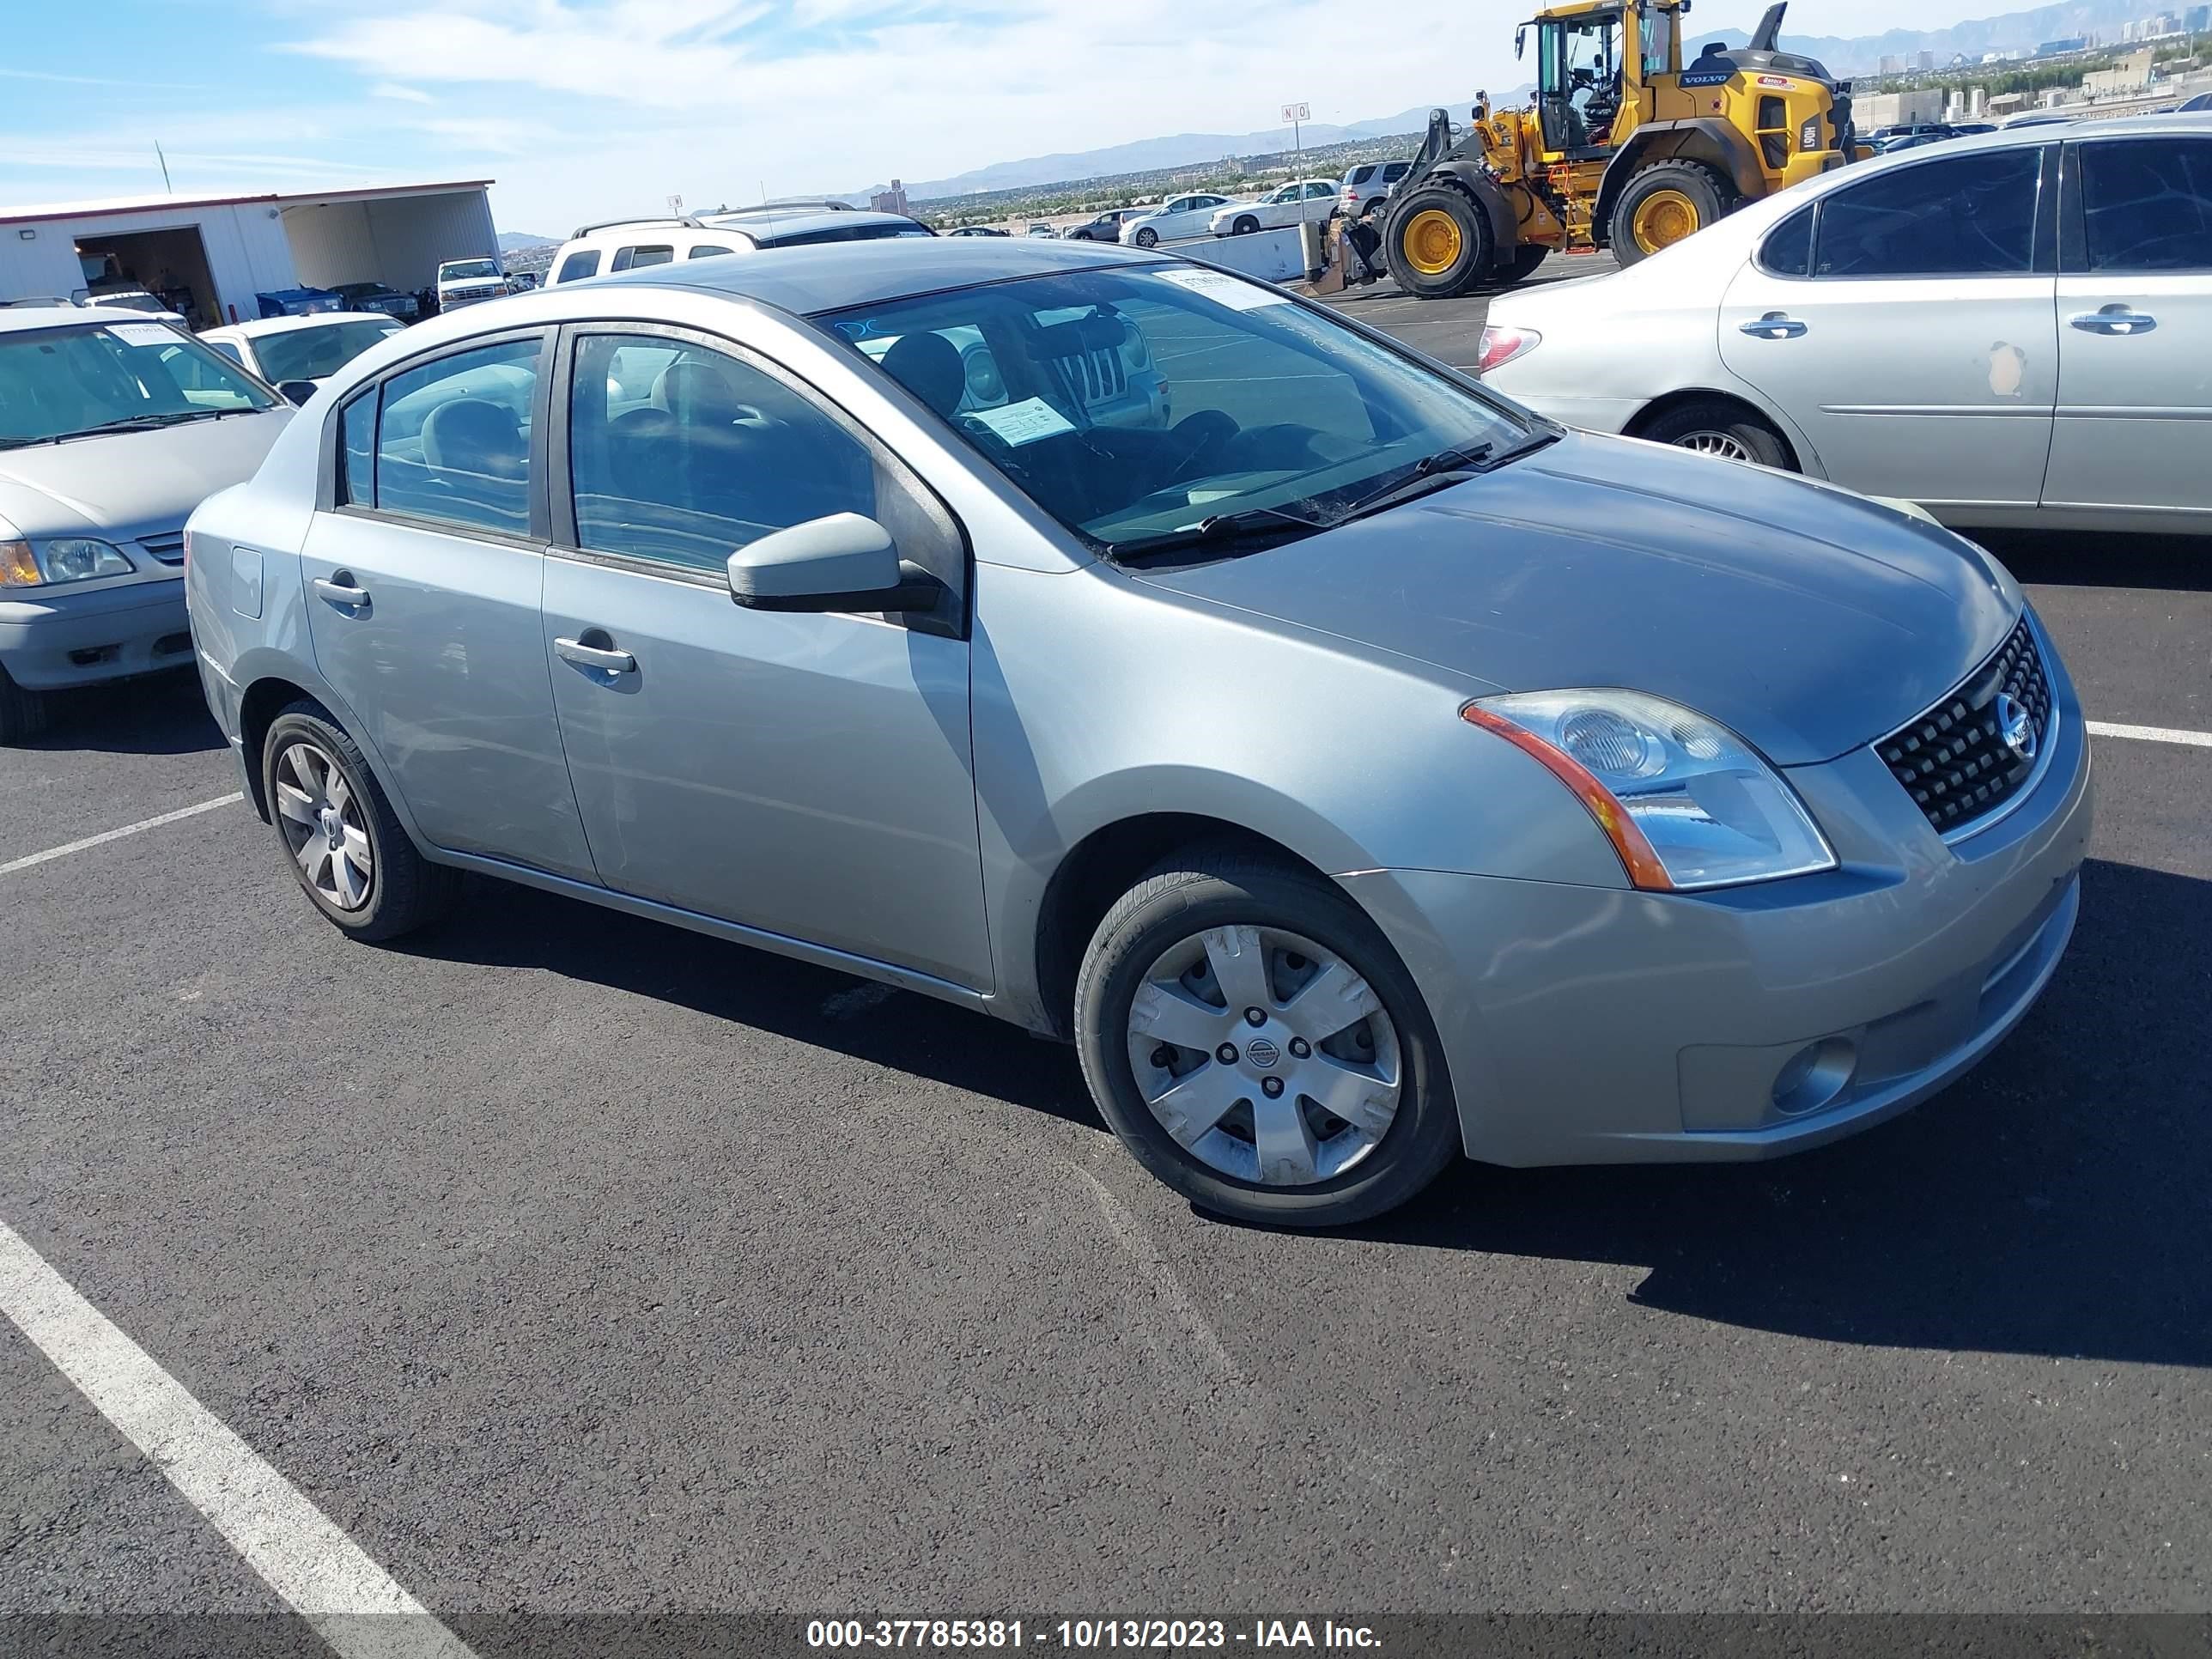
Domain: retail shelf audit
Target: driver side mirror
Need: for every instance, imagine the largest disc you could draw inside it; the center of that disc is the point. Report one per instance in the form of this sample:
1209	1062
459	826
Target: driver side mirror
297	391
842	562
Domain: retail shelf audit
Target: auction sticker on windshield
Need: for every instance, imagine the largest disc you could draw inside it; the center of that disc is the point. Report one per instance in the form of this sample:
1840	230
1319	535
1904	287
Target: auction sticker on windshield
1024	422
144	334
1224	289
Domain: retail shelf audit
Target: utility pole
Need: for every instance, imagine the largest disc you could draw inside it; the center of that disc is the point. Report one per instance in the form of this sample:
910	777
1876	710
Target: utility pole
164	160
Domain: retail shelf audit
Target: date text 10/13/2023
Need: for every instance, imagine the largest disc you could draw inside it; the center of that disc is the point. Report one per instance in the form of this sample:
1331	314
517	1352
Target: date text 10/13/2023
1084	1635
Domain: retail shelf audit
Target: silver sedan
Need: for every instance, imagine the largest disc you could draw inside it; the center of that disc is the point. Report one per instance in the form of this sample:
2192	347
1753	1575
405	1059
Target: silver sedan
1358	770
2009	329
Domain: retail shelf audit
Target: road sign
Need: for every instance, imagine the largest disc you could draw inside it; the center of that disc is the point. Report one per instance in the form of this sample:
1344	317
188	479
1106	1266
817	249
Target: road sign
1297	111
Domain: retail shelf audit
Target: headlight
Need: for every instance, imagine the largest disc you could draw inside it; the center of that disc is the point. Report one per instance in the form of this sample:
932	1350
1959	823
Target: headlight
1501	344
65	559
1685	803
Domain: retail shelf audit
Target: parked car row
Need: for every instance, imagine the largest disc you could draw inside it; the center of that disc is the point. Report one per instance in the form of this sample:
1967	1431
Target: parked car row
1784	790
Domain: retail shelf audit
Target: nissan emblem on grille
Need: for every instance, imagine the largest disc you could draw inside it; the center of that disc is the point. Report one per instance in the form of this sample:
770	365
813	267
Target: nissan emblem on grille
2015	725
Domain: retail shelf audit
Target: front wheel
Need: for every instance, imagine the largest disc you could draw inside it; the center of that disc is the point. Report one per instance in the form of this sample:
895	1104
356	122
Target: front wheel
1438	243
1245	224
23	714
1147	237
1256	1044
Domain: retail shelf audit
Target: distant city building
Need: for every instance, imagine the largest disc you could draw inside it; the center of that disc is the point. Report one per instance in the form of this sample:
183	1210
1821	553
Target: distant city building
889	201
2131	73
1892	64
1925	60
1896	109
2197	19
2059	48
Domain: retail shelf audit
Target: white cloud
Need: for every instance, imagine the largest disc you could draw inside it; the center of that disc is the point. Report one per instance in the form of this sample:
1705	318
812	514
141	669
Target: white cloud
404	95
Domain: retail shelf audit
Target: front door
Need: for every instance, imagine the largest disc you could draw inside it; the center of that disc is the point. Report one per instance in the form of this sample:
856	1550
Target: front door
2135	327
806	774
1919	351
422	603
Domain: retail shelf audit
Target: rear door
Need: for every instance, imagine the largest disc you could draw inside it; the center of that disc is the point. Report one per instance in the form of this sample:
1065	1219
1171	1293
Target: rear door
2134	425
1914	339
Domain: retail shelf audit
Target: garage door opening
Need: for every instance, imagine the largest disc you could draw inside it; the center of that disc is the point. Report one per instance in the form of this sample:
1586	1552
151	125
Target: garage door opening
171	264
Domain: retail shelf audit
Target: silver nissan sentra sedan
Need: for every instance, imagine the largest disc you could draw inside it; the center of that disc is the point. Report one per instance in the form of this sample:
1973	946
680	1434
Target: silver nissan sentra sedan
1360	770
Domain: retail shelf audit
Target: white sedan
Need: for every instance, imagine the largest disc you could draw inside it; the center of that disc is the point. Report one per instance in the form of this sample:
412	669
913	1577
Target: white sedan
311	348
1302	201
2009	329
1176	217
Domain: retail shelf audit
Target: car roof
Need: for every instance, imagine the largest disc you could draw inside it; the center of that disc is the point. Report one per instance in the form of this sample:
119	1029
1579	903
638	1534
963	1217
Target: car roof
14	319
254	328
831	275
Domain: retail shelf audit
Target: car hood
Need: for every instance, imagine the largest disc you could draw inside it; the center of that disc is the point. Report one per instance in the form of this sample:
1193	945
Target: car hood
1808	620
131	484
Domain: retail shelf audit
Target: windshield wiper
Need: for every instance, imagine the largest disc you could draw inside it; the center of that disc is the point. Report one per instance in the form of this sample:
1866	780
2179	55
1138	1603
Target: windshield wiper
1249	525
146	423
1430	472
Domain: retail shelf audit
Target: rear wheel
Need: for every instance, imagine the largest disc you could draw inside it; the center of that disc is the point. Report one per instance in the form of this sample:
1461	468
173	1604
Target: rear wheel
23	714
1257	1045
1664	203
1438	242
1526	258
1727	431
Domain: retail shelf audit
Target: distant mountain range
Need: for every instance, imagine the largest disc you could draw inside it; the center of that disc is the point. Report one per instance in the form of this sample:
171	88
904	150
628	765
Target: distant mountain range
2019	31
511	239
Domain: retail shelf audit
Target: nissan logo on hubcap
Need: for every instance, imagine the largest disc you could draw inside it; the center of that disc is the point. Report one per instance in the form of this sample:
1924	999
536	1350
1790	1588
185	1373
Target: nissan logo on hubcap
1262	1053
2015	725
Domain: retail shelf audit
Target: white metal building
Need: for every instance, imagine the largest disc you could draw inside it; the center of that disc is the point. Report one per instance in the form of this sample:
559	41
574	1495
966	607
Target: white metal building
212	254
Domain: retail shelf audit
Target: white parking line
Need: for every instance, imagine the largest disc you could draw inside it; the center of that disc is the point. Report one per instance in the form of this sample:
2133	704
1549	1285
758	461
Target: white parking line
105	835
2150	733
322	1574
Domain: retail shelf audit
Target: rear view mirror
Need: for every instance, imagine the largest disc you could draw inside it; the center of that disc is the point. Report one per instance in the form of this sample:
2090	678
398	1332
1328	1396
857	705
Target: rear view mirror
842	562
297	391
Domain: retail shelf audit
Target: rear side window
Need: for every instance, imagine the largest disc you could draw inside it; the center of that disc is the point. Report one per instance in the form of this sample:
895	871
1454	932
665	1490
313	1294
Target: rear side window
631	258
1359	175
1788	249
453	441
584	262
357	451
1392	171
1972	215
705	251
2147	204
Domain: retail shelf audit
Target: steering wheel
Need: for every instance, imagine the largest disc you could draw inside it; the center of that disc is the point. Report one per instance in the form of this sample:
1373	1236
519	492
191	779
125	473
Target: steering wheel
1206	432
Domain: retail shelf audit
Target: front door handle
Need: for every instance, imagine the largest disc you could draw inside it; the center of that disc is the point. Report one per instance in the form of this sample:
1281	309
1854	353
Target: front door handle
1775	325
2113	320
593	656
341	590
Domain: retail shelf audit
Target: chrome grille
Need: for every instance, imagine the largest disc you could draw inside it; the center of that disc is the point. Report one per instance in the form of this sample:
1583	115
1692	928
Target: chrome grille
169	547
1954	759
1097	376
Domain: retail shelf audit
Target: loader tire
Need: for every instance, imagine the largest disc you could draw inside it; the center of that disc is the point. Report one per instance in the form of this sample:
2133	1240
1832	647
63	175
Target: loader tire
1438	242
1665	203
1526	258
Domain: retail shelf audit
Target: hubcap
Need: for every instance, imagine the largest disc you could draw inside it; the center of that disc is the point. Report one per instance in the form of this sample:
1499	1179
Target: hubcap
1662	219
1431	241
1726	444
1297	1096
320	818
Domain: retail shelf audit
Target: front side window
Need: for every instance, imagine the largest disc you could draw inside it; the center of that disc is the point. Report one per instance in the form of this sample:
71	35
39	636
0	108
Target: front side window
316	353
1968	216
682	454
454	442
1131	404
1658	43
584	262
2147	204
68	383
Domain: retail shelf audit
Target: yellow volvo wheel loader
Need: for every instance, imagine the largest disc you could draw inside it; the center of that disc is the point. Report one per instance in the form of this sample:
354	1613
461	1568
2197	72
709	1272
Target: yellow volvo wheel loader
1626	147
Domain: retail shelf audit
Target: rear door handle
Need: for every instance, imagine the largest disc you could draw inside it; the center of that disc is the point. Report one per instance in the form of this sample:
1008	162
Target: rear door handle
341	590
2113	320
1774	327
593	656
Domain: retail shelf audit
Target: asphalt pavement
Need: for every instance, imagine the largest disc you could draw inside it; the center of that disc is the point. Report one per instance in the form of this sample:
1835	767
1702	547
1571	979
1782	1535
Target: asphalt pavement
570	1264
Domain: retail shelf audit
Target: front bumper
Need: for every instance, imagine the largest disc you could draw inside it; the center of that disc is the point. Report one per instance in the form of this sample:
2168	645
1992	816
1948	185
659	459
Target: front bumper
1588	1025
51	639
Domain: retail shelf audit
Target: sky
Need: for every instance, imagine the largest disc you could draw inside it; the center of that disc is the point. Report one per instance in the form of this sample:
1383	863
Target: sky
584	109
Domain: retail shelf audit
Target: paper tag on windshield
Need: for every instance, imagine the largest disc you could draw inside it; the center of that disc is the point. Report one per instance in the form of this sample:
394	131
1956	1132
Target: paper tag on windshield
144	334
1222	289
1024	422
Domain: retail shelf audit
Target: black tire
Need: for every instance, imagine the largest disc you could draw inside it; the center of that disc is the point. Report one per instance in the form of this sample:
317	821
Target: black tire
1465	268
1243	225
1703	422
1147	237
405	889
1526	258
1709	194
1205	887
23	714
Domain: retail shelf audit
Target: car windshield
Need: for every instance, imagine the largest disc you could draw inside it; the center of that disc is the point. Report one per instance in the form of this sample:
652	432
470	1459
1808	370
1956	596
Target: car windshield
455	268
73	382
312	354
1134	404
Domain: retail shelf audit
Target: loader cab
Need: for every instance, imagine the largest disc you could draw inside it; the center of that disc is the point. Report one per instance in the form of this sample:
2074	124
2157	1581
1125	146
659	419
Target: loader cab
1594	62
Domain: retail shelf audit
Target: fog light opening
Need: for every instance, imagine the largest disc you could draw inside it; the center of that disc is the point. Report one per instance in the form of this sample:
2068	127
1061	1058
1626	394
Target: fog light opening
1815	1075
